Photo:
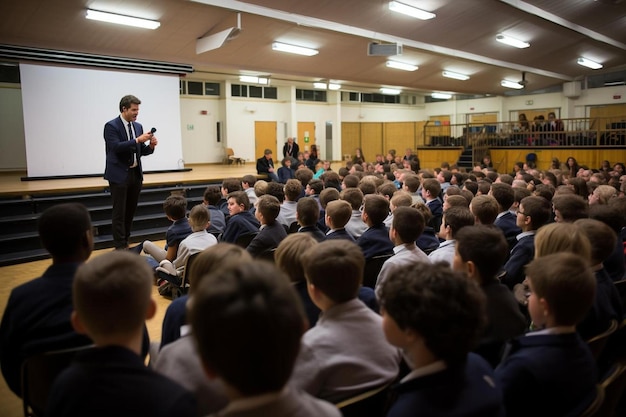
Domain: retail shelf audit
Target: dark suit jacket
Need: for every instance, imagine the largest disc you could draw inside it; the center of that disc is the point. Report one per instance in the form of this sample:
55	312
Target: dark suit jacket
340	234
120	150
113	380
268	238
239	224
313	231
263	165
507	223
461	390
294	150
375	241
521	254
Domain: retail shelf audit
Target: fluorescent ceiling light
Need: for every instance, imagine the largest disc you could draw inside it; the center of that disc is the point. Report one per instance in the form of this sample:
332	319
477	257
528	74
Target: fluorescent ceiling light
401	66
122	20
324	86
410	10
253	80
455	75
334	87
443	96
507	40
588	63
390	91
300	50
321	86
511	84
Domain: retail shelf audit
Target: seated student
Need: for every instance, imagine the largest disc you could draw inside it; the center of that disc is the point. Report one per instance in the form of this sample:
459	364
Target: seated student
614	216
455	201
256	361
210	200
345	353
399	199
480	252
338	214
217	256
435	316
505	220
313	190
247	184
199	240
271	232
411	184
408	224
112	301
454	219
375	240
37	315
355	226
240	221
428	241
326	196
533	213
293	189
431	189
178	358
552	366
608	304
307	215
485	209
229	185
175	208
289	259
285	172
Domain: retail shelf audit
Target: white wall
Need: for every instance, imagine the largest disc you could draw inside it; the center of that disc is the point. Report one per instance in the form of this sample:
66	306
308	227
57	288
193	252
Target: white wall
12	145
199	131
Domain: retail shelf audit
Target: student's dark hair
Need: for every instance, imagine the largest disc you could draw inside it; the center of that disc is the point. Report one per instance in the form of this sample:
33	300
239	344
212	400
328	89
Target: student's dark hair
387	189
351	181
304	176
408	223
308	211
276	189
571	206
506	178
367	186
335	267
293	189
269	207
62	229
212	194
538	209
199	216
602	238
457	201
504	195
484	186
566	282
376	207
175	206
126	101
433	186
316	185
354	196
608	214
327	195
545	190
249	179
485	246
343	171
471	186
240	197
444	307
258	301
412	182
447	175
457	218
231	184
339	212
485	208
452	190
331	179
519	193
580	186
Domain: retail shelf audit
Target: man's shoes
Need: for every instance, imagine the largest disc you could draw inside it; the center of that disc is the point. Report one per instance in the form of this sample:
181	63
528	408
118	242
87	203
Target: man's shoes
136	249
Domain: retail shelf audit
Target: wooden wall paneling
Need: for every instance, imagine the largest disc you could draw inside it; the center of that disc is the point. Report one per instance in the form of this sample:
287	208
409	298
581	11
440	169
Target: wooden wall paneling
371	140
504	159
350	138
264	138
431	158
419	134
399	136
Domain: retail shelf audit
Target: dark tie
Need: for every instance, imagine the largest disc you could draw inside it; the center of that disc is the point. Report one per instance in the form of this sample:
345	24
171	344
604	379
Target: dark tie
130	137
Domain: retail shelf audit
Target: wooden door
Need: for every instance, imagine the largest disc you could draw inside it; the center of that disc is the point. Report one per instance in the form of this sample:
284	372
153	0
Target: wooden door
371	140
399	136
265	138
307	130
350	139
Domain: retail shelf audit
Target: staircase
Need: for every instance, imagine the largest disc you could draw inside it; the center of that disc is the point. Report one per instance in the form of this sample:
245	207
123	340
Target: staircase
19	239
466	159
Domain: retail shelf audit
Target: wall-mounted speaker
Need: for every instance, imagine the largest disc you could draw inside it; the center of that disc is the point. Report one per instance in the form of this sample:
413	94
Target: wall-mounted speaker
384	49
219	131
571	89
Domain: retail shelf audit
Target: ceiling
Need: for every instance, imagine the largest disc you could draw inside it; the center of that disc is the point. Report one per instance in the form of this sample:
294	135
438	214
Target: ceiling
461	38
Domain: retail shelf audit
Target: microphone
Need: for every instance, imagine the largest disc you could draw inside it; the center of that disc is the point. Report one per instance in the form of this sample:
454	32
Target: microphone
152	130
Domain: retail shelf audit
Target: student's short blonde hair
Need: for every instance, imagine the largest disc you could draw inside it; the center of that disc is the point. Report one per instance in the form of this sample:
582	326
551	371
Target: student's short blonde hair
216	257
562	237
199	216
339	212
290	253
401	199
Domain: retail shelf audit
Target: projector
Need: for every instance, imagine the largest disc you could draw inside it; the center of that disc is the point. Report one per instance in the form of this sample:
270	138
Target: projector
384	49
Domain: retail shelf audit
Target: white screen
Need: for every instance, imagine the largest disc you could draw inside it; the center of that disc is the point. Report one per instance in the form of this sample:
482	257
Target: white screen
65	110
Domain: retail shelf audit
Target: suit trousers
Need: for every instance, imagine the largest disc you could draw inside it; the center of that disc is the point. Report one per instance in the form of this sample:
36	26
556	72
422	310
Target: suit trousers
125	197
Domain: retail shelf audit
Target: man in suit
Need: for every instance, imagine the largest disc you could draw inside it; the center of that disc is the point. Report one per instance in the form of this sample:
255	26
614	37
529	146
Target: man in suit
291	149
125	145
265	165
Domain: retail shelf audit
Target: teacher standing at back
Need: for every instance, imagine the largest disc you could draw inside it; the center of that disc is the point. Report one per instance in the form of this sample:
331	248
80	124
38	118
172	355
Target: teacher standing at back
125	145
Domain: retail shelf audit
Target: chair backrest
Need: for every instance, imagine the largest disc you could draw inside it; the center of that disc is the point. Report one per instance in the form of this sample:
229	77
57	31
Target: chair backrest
244	239
230	152
598	343
614	386
371	403
594	407
293	227
184	286
372	267
38	374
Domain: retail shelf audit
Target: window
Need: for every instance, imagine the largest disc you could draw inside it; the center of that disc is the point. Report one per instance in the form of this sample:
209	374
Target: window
238	90
195	88
310	95
270	92
256	92
211	89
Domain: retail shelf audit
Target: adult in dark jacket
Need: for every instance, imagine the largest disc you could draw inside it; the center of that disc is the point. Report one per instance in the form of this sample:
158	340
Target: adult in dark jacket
265	165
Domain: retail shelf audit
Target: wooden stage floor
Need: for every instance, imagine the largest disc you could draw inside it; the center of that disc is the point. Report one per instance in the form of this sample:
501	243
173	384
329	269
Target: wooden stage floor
11	184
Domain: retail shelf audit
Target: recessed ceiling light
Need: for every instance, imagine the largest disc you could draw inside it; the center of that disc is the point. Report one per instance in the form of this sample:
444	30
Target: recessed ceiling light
455	75
410	10
442	96
589	63
334	87
293	49
401	66
248	79
511	84
122	20
390	91
507	40
321	86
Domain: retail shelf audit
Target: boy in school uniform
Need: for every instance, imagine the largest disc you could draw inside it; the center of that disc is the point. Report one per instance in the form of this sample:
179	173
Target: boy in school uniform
307	215
112	300
240	221
375	240
338	213
355	226
229	185
454	219
247	184
345	353
255	361
431	189
435	315
271	232
293	188
552	366
211	198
